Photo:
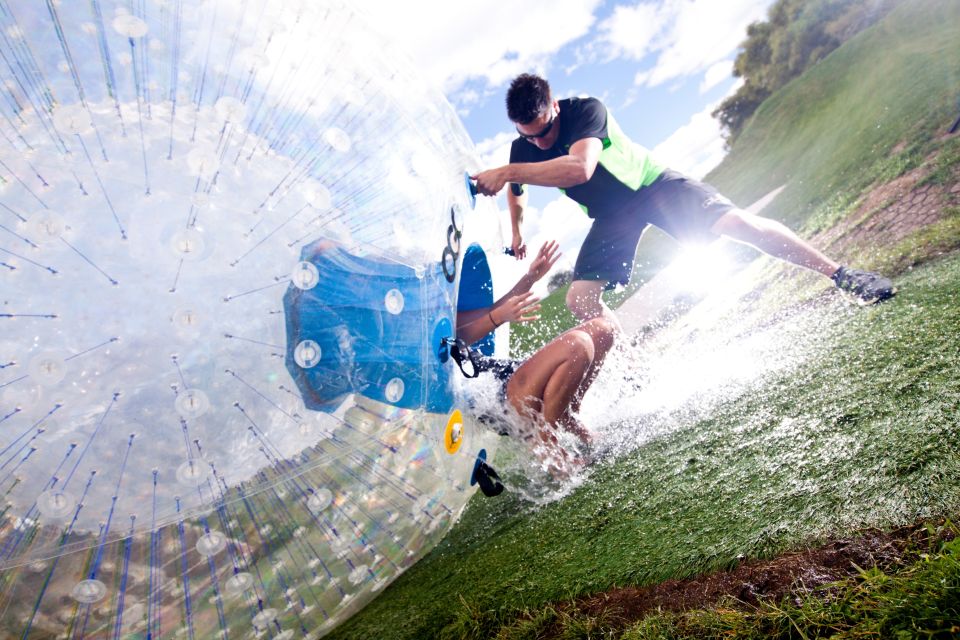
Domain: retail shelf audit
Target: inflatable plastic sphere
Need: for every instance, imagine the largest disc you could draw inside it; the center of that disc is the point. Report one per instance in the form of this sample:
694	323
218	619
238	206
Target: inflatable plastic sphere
229	242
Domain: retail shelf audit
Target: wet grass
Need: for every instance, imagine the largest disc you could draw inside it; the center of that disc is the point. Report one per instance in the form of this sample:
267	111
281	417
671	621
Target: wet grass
864	432
861	427
916	598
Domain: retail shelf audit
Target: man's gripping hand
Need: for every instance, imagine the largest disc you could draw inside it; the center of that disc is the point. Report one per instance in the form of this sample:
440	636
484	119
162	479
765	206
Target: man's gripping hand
491	181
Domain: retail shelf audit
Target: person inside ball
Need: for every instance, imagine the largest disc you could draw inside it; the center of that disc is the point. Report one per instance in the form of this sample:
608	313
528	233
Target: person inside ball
547	388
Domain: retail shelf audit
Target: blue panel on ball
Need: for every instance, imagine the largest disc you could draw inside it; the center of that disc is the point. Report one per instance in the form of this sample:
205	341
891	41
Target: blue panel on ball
373	320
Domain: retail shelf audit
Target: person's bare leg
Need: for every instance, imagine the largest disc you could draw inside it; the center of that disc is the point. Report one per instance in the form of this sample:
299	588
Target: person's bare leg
603	334
773	238
549	379
584	301
551	384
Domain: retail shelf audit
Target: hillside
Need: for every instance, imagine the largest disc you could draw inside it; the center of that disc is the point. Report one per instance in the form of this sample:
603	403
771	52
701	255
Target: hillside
775	415
876	109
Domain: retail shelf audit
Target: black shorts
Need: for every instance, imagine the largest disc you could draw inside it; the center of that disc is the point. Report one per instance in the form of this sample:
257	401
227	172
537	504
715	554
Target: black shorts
683	207
502	369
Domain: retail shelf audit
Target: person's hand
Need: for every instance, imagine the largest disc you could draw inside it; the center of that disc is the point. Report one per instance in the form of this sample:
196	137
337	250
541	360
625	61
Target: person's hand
520	308
518	247
547	257
491	181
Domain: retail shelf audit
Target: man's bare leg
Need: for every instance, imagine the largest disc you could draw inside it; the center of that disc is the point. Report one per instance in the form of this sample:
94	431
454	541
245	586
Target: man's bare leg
585	302
773	238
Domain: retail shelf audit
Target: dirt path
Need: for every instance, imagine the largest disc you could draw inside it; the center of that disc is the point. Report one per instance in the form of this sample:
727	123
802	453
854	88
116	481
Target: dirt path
892	211
810	571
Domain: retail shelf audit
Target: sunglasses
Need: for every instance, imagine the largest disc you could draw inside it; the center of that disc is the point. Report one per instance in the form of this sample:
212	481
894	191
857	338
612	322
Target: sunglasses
543	132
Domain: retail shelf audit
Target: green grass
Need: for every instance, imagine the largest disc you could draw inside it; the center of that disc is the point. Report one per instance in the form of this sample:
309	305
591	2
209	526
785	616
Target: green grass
872	109
861	429
921	601
918	596
866	431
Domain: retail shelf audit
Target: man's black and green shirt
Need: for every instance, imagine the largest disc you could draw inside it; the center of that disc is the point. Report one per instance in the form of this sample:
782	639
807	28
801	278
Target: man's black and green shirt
623	168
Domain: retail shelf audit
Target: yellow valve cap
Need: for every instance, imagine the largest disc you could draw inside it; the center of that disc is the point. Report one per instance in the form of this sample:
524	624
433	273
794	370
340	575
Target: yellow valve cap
453	435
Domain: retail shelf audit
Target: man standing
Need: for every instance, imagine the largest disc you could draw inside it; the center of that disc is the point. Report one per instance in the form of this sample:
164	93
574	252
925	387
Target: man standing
576	145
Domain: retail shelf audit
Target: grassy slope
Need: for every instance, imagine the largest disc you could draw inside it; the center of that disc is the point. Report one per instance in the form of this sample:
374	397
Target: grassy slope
829	135
821	449
869	434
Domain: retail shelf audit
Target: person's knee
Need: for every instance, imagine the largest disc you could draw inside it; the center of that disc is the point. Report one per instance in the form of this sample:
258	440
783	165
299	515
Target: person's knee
581	349
583	299
603	332
733	223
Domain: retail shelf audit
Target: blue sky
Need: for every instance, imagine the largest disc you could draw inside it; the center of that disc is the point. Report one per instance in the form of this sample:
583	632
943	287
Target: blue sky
660	66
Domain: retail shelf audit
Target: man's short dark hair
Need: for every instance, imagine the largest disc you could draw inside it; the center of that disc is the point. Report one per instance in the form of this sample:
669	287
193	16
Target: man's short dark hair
527	98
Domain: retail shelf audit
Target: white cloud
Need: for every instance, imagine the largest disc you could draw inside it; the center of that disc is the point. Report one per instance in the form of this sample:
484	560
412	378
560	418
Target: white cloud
632	31
716	74
493	40
687	36
562	220
495	151
696	147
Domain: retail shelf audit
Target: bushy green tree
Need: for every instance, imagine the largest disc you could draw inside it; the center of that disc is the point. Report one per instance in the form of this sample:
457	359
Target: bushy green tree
796	35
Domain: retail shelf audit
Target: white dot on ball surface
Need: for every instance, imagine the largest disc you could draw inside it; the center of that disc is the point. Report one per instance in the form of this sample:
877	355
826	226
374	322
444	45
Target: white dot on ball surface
318	196
202	162
72	120
192	403
230	109
211	544
307	354
55	504
238	583
193	472
305	276
187	319
88	591
394	390
46	227
320	500
393	301
338	139
130	26
47	369
188	244
264	618
358	575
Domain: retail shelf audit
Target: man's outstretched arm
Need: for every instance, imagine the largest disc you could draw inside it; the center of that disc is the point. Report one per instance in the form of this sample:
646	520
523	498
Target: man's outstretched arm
566	171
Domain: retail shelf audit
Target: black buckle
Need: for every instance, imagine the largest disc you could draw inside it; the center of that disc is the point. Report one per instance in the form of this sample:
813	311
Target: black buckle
465	357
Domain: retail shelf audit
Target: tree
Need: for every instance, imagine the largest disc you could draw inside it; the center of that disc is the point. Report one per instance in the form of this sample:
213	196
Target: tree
796	35
559	279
